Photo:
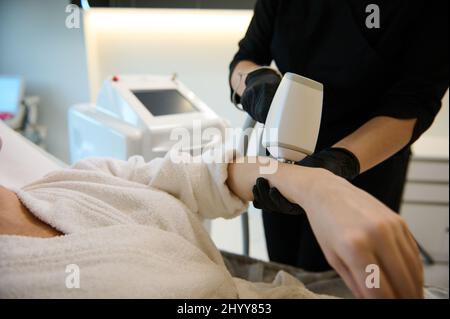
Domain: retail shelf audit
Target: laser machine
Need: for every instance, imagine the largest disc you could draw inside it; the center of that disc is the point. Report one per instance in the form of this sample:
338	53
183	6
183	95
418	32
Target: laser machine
136	115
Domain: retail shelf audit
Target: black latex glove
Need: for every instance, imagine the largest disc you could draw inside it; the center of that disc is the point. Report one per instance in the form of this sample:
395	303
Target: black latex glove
270	199
337	160
260	88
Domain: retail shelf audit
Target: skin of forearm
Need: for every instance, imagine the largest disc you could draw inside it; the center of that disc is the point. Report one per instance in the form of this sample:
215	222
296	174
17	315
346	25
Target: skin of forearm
293	181
378	139
16	219
237	81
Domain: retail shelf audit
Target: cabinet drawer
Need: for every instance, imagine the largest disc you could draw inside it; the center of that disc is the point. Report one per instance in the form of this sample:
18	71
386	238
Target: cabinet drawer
426	193
429	225
427	171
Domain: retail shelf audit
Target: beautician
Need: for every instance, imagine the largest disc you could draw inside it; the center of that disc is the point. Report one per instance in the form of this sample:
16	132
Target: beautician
384	71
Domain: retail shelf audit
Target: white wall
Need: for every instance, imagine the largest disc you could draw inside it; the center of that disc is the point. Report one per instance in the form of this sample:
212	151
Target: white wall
196	44
440	126
35	43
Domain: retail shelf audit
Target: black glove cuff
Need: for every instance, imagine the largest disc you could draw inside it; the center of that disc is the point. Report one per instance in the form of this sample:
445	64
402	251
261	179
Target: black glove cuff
256	75
350	166
337	160
253	77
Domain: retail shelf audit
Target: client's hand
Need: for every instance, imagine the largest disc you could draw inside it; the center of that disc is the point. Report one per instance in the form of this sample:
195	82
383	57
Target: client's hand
337	160
355	230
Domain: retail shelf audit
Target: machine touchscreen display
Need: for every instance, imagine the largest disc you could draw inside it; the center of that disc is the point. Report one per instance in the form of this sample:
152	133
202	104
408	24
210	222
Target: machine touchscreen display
164	102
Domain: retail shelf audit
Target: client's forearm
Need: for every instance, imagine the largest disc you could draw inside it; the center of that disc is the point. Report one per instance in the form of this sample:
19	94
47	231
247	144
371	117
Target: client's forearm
293	181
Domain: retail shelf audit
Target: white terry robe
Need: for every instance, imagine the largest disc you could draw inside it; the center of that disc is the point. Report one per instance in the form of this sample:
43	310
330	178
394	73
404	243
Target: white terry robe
134	230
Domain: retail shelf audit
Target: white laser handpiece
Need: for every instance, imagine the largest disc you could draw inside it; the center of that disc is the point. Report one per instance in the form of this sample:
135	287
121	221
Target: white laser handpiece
293	122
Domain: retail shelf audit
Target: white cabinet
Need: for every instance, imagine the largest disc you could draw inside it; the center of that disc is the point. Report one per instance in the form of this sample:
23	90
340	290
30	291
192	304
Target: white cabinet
426	197
429	224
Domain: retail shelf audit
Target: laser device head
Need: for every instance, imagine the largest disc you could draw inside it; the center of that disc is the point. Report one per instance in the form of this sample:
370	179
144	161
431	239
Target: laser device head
293	122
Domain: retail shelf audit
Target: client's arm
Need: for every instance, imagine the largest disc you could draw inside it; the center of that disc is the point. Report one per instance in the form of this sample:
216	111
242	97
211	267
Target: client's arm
353	228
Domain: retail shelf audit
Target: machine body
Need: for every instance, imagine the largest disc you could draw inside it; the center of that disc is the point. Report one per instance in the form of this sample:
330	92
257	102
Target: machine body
135	115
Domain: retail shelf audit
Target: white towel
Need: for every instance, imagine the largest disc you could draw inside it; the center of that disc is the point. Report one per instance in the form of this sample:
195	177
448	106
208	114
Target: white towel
134	230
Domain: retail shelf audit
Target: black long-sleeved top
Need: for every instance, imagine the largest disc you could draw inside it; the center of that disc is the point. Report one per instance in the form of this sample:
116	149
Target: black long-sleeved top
400	70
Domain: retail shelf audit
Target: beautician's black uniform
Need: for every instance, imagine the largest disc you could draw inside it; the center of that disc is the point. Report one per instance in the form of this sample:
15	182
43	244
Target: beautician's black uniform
399	70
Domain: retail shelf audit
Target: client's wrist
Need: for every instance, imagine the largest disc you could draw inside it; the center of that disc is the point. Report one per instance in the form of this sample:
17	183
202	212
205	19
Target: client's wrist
311	184
293	181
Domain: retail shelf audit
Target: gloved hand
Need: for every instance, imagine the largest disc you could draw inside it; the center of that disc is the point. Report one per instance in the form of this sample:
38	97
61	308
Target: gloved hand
260	88
270	199
339	161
